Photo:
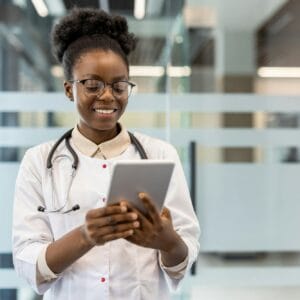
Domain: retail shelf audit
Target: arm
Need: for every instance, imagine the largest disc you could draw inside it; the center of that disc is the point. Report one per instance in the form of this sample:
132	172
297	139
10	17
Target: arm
101	225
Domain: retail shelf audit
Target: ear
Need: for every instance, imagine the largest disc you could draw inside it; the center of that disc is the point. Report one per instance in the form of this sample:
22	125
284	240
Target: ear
68	90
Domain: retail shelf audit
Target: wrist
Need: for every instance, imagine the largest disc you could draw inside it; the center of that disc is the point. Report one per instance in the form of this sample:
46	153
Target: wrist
171	243
174	253
85	240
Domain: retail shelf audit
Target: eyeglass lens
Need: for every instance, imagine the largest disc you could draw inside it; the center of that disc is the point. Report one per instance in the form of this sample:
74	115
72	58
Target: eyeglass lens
120	89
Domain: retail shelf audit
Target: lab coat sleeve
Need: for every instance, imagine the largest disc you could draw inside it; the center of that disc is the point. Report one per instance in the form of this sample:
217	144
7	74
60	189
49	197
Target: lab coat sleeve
31	229
184	220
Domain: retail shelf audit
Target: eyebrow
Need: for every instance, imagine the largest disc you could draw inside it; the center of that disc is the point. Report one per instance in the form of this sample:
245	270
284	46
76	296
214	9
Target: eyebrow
94	76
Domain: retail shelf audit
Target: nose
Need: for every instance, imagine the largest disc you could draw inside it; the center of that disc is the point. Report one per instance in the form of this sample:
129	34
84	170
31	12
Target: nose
106	93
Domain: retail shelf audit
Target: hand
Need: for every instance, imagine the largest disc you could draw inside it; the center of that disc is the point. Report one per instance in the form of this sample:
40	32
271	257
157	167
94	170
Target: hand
108	223
156	230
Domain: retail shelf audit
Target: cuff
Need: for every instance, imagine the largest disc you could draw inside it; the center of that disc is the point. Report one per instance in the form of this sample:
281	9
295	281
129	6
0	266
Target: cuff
44	274
176	271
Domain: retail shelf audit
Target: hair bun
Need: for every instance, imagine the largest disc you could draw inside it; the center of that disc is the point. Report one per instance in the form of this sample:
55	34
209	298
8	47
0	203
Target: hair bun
88	22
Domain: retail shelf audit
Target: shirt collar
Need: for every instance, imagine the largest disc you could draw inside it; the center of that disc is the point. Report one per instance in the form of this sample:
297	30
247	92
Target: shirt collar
105	150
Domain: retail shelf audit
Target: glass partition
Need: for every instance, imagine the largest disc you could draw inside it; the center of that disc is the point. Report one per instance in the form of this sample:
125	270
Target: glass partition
220	81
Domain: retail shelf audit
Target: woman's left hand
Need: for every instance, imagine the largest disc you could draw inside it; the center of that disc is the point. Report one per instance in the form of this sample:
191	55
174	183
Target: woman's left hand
156	230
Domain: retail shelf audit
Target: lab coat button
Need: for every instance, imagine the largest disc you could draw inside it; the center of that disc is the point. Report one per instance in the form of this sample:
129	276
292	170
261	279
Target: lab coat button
104	166
103	199
102	279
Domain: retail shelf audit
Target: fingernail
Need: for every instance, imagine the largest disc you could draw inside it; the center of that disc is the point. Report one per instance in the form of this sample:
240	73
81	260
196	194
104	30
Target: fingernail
141	195
136	224
123	208
134	216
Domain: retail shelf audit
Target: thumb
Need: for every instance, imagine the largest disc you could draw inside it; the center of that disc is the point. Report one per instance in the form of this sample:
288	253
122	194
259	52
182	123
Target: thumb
166	213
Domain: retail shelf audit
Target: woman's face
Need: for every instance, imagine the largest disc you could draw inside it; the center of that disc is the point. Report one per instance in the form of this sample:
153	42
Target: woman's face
99	113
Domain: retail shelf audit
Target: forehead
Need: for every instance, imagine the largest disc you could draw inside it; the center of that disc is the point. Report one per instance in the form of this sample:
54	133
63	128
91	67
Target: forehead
106	65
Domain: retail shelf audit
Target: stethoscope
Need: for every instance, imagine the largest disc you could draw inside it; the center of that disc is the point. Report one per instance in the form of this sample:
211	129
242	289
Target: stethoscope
75	160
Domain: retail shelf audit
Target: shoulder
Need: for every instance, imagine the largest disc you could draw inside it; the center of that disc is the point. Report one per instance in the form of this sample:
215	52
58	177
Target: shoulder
37	155
40	149
33	164
156	148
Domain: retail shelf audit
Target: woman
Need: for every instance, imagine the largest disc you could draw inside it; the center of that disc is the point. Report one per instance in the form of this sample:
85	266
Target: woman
98	251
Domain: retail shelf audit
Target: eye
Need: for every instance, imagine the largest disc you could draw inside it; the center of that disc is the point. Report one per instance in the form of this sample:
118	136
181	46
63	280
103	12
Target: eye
93	85
120	87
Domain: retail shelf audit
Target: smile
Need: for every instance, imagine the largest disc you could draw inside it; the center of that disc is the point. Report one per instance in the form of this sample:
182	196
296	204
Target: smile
105	111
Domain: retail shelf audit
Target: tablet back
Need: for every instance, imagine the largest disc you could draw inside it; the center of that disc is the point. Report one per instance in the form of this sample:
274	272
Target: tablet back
131	177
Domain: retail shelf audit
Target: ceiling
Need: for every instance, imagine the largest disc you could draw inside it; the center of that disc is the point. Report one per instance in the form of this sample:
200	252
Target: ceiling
163	20
239	14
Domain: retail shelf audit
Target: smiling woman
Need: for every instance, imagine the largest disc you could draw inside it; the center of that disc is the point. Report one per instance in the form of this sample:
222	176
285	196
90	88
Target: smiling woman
92	250
99	108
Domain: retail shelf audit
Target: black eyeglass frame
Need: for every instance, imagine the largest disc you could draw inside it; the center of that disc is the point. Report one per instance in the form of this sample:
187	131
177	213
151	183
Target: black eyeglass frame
82	81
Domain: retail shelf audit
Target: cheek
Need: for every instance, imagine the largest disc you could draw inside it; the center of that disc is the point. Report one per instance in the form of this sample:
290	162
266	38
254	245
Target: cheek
79	100
82	108
123	108
124	105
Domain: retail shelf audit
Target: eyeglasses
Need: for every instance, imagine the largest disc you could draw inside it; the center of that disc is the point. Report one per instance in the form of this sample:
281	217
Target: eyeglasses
94	87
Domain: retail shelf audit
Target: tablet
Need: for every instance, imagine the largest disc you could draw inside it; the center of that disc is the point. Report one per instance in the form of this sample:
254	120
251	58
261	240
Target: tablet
131	177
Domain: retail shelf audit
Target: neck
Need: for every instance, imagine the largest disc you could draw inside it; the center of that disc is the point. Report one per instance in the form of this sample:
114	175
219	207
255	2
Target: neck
100	136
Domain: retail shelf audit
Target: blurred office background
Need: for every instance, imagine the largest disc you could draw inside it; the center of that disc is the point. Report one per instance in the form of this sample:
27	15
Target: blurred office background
218	79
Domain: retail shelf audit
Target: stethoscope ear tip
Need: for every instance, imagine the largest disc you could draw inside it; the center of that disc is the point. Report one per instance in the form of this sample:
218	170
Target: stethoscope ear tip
76	207
41	208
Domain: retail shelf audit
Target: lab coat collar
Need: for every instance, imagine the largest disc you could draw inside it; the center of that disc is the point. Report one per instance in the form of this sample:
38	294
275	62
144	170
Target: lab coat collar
106	150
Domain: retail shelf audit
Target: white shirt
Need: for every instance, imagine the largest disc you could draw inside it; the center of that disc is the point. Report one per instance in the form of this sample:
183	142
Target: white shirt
117	270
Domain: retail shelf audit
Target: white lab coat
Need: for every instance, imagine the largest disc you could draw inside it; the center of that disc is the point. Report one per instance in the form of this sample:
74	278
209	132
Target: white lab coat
117	270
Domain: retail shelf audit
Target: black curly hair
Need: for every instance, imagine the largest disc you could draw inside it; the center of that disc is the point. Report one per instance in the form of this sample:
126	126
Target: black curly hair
84	29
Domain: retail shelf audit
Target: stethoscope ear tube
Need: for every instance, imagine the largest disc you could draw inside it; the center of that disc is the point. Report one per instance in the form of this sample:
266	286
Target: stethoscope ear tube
74	154
66	136
138	146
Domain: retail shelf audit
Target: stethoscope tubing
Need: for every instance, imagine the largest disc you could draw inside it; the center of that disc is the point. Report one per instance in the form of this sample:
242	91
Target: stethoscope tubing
66	137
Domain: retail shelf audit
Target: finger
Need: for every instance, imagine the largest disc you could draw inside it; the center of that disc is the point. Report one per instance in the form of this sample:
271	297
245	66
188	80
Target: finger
120	204
119	235
111	220
115	229
166	213
145	222
124	203
151	209
104	211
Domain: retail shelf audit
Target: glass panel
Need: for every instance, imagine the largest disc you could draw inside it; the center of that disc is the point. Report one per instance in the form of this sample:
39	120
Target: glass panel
224	74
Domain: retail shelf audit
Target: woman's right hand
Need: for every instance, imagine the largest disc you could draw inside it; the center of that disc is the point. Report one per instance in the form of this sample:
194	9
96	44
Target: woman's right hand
108	223
101	225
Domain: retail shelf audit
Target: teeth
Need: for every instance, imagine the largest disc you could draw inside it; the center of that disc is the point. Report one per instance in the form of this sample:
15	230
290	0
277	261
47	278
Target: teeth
104	111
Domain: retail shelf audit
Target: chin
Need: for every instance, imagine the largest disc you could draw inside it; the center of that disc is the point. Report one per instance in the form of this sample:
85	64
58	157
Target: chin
105	127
